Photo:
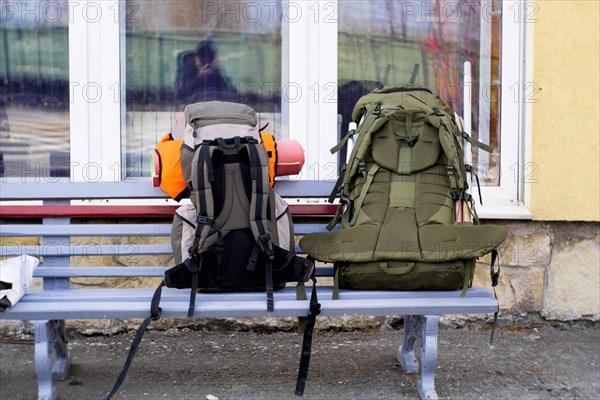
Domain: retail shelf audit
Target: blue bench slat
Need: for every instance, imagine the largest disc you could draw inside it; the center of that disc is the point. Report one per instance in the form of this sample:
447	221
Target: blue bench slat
89	250
98	272
134	303
92	250
139	188
289	293
303	229
31	230
126	272
325	293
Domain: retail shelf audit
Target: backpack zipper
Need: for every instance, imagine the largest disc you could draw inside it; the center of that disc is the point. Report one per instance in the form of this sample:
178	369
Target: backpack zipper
404	90
220	116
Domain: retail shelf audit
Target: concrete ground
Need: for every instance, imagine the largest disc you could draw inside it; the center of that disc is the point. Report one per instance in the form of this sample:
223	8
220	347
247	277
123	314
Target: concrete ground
531	360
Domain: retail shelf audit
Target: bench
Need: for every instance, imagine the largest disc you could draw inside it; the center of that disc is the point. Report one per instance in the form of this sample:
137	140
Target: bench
61	216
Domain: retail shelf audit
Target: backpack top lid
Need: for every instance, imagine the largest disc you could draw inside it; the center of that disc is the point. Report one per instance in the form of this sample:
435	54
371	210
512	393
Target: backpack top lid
219	119
407	94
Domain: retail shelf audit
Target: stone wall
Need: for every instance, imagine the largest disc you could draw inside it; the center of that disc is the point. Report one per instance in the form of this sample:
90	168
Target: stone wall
548	268
551	268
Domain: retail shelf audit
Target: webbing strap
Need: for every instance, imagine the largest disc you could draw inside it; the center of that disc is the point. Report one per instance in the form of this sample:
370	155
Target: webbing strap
477	143
342	142
364	130
301	295
315	309
337	186
495	276
204	196
363	193
193	291
336	217
335	295
469	168
155	312
237	141
259	229
466	281
269	284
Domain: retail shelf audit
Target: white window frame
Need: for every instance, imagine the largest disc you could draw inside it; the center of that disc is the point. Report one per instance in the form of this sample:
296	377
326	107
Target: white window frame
309	69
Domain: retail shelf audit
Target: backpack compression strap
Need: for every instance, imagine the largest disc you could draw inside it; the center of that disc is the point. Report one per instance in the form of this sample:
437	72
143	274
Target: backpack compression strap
259	174
155	312
315	309
205	221
372	123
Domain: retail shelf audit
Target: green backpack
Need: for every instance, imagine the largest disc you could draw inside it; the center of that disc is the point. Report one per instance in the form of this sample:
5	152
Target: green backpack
400	195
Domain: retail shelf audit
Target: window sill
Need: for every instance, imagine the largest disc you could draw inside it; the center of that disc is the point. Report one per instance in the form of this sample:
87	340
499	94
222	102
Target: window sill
504	211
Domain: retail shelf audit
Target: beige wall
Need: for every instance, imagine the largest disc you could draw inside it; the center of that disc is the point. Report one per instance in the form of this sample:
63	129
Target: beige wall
566	118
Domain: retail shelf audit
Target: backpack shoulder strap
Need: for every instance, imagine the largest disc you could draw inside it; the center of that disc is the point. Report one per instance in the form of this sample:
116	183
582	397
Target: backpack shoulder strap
202	177
259	174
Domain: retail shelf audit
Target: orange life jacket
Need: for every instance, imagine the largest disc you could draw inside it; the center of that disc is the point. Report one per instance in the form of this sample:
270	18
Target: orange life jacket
167	171
268	141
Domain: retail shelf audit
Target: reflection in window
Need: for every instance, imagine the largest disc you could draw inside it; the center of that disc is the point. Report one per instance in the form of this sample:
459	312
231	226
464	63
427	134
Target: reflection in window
386	42
34	89
184	51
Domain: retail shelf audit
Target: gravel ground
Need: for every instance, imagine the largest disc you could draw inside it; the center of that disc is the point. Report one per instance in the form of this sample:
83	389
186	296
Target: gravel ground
533	361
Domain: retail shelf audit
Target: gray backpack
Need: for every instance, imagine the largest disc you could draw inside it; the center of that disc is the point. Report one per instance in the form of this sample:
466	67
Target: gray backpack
237	234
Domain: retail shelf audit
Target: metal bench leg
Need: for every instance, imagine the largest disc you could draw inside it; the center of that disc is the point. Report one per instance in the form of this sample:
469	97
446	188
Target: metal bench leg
49	337
422	330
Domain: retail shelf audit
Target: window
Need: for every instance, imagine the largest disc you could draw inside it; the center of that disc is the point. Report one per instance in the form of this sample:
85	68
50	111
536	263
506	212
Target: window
374	43
390	42
181	52
295	62
34	90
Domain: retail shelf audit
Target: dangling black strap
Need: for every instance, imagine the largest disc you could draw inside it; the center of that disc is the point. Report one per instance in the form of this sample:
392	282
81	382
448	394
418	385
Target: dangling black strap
315	309
469	168
155	312
495	275
194	264
269	282
193	292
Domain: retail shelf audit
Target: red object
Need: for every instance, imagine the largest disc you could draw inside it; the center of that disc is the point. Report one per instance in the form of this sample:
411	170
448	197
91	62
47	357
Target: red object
321	210
290	157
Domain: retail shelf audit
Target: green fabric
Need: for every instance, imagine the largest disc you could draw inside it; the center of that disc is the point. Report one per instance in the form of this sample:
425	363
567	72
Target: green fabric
478	144
399	275
399	218
335	295
365	190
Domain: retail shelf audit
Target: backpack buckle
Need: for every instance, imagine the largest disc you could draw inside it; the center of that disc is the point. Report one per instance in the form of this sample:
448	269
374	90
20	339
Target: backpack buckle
315	309
204	220
155	314
265	242
495	279
377	110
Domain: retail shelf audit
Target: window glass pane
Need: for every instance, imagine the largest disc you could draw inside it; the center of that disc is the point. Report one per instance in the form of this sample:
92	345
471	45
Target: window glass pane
184	51
34	88
381	42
